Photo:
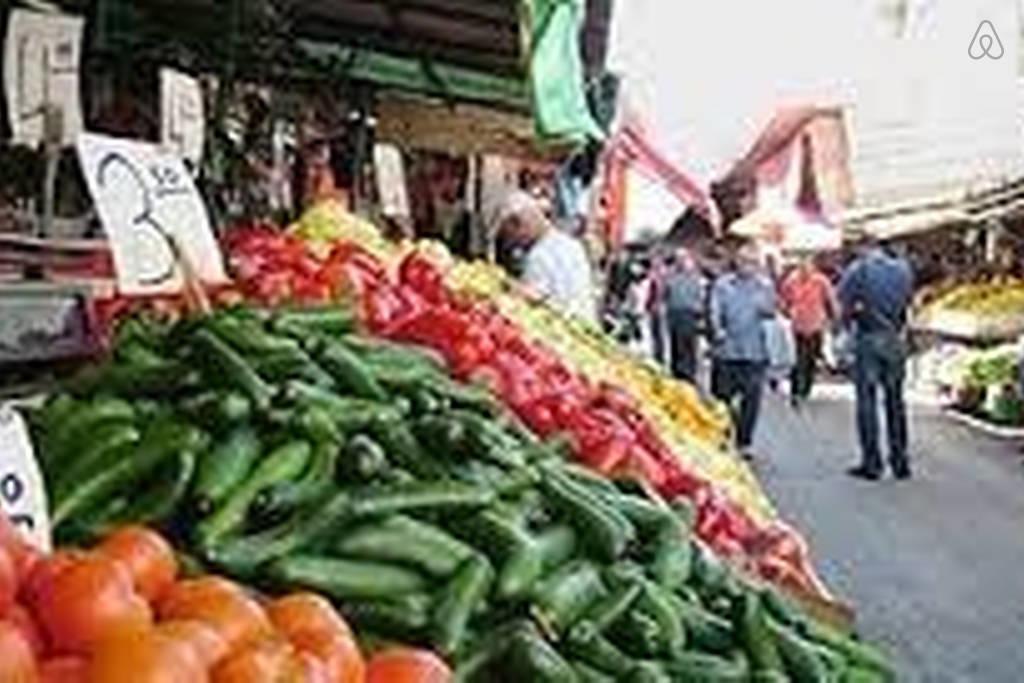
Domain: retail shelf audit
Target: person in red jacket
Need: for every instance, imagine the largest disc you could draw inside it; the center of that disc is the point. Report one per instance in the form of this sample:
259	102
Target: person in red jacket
809	300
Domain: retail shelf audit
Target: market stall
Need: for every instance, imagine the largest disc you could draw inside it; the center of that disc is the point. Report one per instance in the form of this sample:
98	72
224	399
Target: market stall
319	454
356	450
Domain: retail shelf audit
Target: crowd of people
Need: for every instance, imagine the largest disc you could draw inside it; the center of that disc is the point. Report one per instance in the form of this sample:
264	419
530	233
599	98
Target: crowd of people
760	319
756	317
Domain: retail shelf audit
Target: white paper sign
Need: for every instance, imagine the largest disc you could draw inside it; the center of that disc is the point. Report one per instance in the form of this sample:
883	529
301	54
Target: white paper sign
182	124
394	197
41	67
146	198
22	494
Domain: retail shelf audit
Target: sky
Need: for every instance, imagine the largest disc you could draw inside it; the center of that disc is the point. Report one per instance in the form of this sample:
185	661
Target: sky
707	76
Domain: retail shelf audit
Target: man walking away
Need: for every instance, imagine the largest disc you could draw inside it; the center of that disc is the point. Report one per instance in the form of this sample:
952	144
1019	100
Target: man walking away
875	293
741	302
809	300
685	290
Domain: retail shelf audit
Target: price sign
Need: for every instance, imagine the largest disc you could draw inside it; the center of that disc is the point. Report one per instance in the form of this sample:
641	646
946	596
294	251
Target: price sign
22	495
41	68
394	199
183	127
148	203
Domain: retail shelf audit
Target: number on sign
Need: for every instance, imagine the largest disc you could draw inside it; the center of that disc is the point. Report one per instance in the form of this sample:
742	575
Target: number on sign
147	227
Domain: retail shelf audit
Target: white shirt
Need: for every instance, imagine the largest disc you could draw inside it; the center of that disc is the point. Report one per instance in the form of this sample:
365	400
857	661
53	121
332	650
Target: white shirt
556	267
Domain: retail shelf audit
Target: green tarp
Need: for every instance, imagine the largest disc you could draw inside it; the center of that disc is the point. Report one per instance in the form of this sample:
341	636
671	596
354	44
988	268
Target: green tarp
555	75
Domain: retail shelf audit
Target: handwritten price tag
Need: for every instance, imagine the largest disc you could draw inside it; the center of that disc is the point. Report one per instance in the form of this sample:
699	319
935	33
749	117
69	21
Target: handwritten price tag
22	494
147	200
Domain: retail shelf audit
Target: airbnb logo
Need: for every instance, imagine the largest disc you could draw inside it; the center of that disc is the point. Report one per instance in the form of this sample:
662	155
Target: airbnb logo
986	42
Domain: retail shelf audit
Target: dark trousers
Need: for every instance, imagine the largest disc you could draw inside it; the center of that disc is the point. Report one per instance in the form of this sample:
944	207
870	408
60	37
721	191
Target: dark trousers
880	362
657	327
739	384
808	351
683	332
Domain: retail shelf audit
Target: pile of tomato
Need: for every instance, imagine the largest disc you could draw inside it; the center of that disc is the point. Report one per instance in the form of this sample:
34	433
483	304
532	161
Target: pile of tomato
120	612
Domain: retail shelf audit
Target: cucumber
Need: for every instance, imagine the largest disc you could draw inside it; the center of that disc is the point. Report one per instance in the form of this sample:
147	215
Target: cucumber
223	362
406	541
465	592
697	667
165	494
404	618
565	595
604	531
350	372
420	497
225	467
344	579
802	662
586	643
79	424
751	625
531	658
284	463
109	443
363	460
160	441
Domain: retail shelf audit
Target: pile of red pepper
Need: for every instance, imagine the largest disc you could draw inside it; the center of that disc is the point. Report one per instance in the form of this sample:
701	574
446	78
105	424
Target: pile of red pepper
274	267
606	427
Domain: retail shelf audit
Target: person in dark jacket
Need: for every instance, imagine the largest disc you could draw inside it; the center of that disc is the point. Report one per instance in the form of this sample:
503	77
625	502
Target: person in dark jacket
875	294
684	295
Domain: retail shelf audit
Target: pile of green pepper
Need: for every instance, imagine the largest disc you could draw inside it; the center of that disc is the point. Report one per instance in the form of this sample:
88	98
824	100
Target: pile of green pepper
288	451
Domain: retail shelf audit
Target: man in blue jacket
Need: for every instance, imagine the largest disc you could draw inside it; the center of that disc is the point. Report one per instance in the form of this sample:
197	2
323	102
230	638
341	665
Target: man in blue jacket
741	301
875	293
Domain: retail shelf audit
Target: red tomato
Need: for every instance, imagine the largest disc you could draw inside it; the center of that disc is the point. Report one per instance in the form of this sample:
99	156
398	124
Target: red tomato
339	653
17	663
204	640
147	556
88	599
404	665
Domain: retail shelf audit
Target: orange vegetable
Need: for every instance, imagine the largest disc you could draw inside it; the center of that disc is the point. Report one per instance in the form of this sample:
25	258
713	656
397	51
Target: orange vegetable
147	556
18	549
8	581
80	600
144	656
237	618
200	636
17	663
22	620
269	661
300	612
405	665
64	670
340	654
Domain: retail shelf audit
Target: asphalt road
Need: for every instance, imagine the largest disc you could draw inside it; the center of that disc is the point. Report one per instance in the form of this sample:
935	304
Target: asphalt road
934	566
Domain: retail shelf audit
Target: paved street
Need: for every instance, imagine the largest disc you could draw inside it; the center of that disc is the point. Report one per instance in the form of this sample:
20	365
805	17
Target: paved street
935	567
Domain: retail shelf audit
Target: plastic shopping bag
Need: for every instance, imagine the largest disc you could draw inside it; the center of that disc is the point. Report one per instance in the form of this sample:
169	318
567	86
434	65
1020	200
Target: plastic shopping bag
778	333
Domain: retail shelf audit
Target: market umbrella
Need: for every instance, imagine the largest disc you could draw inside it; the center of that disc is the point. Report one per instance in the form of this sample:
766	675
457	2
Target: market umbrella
788	229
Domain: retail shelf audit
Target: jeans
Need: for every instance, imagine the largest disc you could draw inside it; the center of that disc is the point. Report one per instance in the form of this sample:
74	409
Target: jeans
880	361
808	351
683	331
740	382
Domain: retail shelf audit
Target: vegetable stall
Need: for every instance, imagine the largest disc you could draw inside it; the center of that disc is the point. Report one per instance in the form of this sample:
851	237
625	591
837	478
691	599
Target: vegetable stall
365	460
440	521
